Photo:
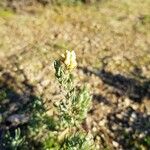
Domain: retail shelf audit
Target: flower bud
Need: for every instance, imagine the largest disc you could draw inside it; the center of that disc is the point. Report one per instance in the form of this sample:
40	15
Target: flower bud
70	60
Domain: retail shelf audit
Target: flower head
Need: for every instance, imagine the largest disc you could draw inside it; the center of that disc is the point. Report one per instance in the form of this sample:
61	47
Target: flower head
70	60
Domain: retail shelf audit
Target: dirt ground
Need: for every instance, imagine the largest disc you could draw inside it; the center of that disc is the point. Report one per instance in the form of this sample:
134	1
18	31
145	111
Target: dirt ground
112	43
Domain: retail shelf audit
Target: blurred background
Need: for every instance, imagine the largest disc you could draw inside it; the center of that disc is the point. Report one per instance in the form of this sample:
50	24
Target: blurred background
111	39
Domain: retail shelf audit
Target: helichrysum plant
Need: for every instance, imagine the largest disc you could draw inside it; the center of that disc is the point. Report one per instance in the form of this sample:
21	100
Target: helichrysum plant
77	100
71	110
15	141
64	132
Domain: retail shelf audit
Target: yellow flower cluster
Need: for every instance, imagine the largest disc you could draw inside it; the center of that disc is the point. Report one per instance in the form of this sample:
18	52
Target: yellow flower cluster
70	60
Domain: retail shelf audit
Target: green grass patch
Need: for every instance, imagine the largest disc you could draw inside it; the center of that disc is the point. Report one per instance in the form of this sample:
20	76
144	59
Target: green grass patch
6	13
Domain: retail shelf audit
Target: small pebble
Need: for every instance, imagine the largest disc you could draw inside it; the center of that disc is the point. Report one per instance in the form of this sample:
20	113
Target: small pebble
141	135
128	129
127	102
18	119
115	143
120	116
94	129
135	106
132	119
114	127
102	122
133	115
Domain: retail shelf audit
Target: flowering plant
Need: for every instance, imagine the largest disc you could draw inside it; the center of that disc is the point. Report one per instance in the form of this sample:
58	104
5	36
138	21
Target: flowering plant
70	60
77	100
71	110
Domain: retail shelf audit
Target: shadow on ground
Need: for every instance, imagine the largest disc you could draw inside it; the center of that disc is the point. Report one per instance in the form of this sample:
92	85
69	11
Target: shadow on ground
124	86
18	105
17	101
129	127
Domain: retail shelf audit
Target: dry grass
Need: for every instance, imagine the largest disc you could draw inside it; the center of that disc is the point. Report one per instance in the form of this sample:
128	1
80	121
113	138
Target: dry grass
112	28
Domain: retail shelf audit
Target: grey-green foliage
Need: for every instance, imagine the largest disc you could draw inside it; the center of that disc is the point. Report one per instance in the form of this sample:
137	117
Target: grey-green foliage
51	143
3	95
71	110
60	133
77	101
39	120
13	141
36	117
78	141
147	140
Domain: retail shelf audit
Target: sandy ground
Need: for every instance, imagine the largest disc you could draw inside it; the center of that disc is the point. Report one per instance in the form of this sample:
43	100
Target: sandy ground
112	44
